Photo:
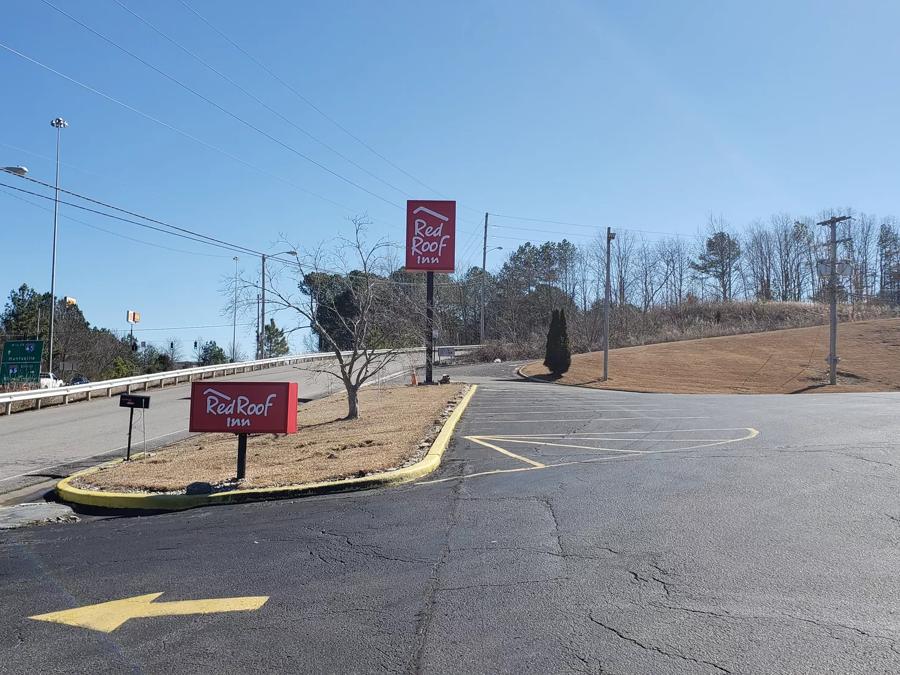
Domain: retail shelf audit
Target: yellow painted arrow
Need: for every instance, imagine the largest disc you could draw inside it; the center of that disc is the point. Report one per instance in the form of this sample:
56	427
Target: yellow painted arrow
107	616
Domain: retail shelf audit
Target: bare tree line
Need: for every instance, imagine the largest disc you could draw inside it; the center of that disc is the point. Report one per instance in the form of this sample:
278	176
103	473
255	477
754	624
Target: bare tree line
774	259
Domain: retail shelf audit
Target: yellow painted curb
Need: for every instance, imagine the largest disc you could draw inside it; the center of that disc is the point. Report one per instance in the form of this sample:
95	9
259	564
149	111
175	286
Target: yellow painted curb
149	501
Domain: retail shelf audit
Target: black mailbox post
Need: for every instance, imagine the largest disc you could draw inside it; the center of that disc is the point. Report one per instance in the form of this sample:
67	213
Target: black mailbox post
132	401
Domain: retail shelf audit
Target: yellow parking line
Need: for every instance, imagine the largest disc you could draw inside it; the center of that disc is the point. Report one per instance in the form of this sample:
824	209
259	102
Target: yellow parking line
477	439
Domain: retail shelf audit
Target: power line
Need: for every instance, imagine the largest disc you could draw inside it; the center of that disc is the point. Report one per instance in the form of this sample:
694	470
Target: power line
115	234
595	228
111	232
48	158
219	107
303	98
218	325
182	232
171	127
98	202
250	94
227	247
316	108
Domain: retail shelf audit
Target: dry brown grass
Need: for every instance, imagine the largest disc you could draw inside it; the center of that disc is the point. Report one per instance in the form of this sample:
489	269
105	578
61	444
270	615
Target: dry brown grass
784	361
395	429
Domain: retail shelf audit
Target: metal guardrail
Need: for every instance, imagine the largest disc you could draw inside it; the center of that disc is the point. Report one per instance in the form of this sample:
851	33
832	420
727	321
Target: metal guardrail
127	384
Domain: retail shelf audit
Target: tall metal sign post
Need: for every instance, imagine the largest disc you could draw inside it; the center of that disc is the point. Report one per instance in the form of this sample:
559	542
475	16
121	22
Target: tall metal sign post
133	317
430	248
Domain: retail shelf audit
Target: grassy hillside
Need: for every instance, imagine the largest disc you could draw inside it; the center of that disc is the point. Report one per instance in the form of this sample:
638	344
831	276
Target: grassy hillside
783	361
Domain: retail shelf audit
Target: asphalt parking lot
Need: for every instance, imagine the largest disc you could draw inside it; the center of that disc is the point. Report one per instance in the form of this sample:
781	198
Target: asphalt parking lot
566	530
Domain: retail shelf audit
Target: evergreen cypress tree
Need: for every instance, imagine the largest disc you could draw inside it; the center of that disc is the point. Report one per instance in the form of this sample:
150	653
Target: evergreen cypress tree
552	341
565	355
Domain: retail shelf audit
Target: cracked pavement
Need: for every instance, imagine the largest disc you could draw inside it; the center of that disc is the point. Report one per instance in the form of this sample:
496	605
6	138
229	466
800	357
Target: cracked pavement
628	550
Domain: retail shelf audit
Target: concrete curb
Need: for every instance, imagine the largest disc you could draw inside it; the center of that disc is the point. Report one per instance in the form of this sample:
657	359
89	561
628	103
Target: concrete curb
148	501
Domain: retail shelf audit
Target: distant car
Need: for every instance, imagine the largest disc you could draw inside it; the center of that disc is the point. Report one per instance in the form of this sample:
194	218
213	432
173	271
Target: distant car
51	381
80	379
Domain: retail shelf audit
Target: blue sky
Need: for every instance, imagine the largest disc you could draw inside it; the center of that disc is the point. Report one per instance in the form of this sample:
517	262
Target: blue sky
647	115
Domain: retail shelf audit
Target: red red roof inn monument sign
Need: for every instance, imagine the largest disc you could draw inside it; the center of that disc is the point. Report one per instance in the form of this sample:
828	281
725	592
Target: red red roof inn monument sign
244	408
430	248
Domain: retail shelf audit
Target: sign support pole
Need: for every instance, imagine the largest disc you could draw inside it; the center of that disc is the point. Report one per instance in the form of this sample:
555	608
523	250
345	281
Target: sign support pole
429	327
242	456
130	426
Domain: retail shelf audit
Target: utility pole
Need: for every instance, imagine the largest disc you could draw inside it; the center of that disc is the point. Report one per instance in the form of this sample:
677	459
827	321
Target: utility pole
832	287
257	325
610	235
483	276
59	124
261	347
261	353
234	311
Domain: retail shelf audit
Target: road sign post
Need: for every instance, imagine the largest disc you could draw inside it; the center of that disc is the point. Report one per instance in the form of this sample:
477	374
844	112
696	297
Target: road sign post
132	401
430	248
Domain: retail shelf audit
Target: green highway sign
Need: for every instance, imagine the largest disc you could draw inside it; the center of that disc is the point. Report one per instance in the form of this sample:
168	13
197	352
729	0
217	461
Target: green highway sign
23	351
20	372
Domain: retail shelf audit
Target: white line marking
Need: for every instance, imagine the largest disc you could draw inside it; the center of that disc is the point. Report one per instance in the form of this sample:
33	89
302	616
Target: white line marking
598	433
556	445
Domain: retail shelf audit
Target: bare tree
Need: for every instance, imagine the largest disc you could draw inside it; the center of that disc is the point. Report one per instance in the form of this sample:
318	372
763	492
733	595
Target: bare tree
759	256
622	255
344	294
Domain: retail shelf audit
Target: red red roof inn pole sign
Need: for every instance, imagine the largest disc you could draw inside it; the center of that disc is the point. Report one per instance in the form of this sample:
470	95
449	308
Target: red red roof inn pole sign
430	236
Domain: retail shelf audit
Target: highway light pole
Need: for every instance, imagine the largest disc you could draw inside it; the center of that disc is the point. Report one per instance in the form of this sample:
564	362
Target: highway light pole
610	235
59	124
832	287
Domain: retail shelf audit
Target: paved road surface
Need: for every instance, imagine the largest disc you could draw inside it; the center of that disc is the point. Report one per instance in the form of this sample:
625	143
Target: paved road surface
567	530
56	441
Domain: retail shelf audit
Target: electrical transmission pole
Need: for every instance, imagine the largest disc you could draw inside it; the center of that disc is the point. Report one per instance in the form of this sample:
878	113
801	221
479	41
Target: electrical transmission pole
610	235
832	288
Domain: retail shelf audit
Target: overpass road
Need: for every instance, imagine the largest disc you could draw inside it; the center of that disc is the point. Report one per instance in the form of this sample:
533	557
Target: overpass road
567	530
37	445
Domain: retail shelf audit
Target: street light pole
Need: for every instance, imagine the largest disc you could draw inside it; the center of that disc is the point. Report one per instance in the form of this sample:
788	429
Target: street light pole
59	124
234	312
610	235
